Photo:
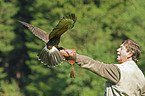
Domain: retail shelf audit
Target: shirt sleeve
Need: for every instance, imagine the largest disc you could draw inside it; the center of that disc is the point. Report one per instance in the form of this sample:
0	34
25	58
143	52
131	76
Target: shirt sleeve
108	71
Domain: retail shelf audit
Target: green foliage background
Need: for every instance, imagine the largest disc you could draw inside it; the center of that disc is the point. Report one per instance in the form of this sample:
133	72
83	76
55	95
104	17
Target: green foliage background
100	28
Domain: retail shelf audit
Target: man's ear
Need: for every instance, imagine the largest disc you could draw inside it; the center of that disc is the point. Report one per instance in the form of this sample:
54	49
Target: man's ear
130	54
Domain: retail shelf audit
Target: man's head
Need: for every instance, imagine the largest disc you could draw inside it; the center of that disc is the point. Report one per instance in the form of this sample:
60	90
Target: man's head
129	50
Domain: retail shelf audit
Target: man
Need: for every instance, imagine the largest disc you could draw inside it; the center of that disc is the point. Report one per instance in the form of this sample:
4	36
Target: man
124	79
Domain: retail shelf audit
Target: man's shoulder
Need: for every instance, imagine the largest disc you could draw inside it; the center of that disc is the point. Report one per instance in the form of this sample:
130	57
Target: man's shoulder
128	64
130	68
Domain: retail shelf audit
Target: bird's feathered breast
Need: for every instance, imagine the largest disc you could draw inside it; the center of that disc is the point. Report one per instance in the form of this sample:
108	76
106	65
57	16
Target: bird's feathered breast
64	24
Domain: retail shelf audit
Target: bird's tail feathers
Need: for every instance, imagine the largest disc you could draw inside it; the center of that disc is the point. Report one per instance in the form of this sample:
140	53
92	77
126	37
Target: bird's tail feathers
51	57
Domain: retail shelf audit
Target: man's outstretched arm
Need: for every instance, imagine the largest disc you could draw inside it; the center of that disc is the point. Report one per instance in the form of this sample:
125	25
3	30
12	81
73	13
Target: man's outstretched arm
108	71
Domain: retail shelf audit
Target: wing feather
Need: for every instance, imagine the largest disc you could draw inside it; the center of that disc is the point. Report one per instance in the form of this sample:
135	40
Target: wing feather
37	31
64	24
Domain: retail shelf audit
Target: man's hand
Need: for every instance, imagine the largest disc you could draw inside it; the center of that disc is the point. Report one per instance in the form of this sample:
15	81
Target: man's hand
70	56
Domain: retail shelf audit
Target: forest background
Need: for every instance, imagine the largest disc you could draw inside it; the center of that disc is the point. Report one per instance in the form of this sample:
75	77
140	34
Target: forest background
101	27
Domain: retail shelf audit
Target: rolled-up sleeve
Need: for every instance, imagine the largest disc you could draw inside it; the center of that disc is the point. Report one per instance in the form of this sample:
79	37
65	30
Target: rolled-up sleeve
108	71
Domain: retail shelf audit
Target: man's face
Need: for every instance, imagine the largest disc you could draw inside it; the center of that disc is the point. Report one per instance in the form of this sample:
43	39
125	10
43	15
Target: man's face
123	55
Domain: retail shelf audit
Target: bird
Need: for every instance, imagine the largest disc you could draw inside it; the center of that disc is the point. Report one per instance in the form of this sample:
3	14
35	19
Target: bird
50	54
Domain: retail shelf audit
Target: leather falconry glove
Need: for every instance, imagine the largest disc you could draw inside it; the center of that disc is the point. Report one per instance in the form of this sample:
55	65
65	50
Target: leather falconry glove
70	56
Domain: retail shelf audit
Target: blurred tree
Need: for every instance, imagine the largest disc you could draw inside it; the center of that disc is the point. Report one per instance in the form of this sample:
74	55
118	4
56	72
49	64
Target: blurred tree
6	31
100	28
7	88
19	68
7	26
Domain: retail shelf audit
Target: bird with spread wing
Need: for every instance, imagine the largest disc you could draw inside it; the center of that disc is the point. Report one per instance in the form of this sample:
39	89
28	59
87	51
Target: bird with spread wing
50	54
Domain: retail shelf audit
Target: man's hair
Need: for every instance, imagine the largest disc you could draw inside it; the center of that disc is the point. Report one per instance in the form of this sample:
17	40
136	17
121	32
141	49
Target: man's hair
133	47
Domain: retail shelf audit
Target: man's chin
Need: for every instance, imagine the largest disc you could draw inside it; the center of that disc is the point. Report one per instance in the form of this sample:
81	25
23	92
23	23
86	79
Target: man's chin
119	60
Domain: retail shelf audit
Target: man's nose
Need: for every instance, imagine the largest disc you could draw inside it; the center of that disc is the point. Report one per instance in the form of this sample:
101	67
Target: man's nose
118	49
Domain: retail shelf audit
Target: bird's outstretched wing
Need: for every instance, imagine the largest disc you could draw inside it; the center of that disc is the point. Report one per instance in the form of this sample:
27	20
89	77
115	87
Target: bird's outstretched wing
37	31
64	24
